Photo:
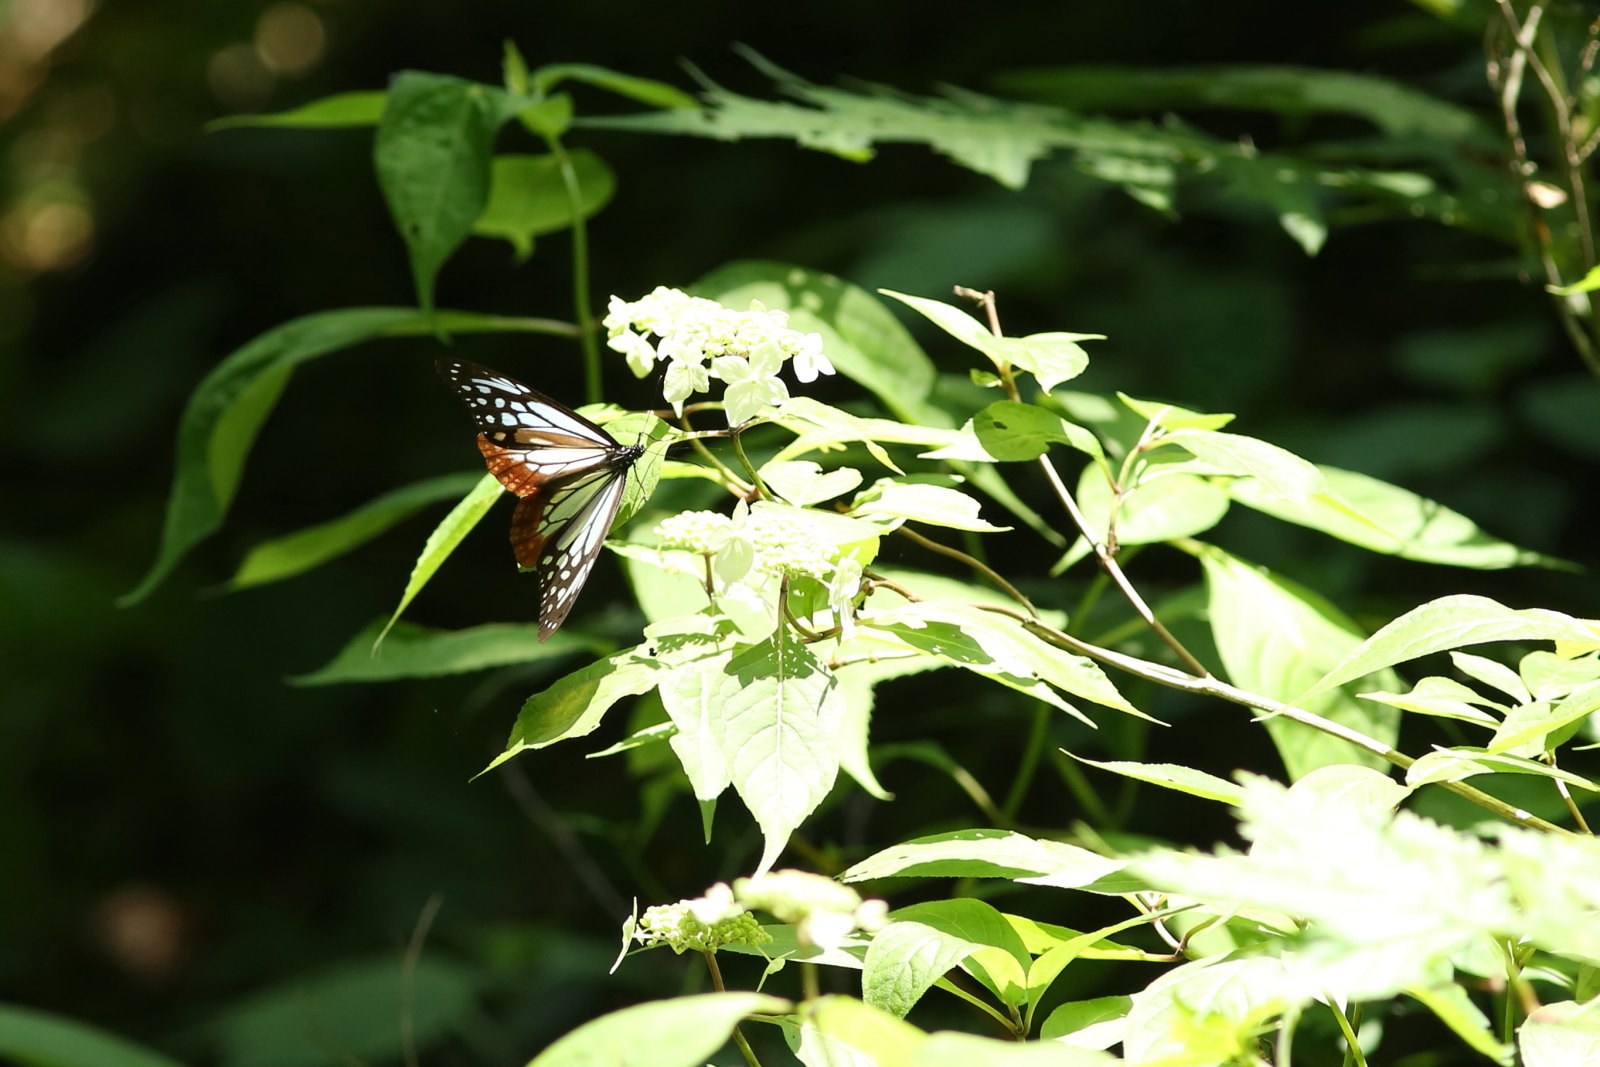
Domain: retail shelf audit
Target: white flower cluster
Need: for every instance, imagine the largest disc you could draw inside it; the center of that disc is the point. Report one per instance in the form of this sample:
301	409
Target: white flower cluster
701	340
823	912
755	546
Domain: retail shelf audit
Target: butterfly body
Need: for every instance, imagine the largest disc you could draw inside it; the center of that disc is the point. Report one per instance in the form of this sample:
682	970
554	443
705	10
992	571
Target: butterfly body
568	472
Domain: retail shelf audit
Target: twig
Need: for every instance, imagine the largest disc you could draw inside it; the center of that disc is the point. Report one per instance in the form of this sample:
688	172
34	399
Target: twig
975	563
408	970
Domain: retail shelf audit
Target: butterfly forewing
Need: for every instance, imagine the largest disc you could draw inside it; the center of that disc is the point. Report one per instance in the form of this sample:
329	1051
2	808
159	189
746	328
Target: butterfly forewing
569	473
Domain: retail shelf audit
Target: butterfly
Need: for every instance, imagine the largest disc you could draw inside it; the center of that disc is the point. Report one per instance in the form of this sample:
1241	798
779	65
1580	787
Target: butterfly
569	473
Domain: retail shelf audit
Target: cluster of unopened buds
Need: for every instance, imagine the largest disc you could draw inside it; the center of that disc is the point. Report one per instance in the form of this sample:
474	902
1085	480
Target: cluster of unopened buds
700	341
823	913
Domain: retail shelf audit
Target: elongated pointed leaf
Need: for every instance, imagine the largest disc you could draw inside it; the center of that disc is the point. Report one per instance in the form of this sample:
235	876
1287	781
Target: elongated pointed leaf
228	407
574	705
411	651
528	196
303	550
443	541
680	1032
1172	776
432	155
985	854
339	111
1276	638
780	711
1455	622
31	1036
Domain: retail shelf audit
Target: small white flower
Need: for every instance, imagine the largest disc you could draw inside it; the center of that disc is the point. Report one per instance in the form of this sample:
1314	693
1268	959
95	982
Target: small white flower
684	378
641	355
809	360
753	385
842	590
716	906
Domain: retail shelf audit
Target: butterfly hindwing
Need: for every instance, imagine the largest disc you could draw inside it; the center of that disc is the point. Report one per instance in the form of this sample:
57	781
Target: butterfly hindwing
569	473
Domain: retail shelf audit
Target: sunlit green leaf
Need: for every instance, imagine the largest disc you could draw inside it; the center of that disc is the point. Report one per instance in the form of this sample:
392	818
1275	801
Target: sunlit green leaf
1011	431
1171	776
679	1032
919	502
432	156
30	1036
574	706
528	196
444	539
985	854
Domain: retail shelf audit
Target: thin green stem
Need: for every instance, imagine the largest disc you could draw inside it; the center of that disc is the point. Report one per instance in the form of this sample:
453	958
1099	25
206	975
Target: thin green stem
1353	1056
976	564
738	1036
1032	752
808	982
582	303
1078	784
750	468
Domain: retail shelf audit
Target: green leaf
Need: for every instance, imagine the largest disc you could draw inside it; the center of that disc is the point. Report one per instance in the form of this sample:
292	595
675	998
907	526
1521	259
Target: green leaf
1171	776
1385	518
1172	417
1587	284
227	409
1001	963
693	702
804	483
574	705
1152	510
1532	724
680	1032
443	541
840	1031
903	962
644	90
1281	472
1051	358
1290	192
1457	1011
780	711
1096	1023
1455	764
1437	696
432	155
303	550
986	854
339	111
934	505
1205	1011
1560	1034
1550	677
513	68
1011	431
30	1036
412	651
528	196
349	1014
1455	622
857	685
1493	674
1276	639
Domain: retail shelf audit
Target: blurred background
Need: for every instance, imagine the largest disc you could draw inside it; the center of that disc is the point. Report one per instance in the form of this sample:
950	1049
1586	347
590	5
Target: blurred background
187	839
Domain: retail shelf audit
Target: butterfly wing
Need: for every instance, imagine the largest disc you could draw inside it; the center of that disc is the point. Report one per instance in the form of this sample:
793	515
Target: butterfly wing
558	533
569	473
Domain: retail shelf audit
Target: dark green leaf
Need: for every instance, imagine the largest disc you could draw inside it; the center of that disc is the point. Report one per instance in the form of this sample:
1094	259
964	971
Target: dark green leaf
228	407
528	196
412	651
432	156
340	111
38	1037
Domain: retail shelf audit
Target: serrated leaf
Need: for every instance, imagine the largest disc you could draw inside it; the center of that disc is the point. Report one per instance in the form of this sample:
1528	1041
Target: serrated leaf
1096	1023
680	1032
528	196
840	1031
692	698
339	111
985	854
1550	677
411	651
781	711
1532	724
432	155
443	541
227	409
292	554
1234	995
1560	1034
999	959
903	962
1455	622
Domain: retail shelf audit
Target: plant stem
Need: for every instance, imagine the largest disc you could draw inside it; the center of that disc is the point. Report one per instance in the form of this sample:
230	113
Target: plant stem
975	563
580	273
1352	1050
1208	686
738	1035
755	478
1032	752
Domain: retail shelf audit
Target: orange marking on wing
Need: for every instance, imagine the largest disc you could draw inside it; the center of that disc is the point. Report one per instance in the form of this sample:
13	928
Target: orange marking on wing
526	541
506	464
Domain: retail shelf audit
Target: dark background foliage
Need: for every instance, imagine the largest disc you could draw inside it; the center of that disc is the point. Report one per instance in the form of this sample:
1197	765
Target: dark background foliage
181	829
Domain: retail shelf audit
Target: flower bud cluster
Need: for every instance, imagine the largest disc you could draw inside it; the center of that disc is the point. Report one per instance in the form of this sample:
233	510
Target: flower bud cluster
701	340
677	926
823	912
